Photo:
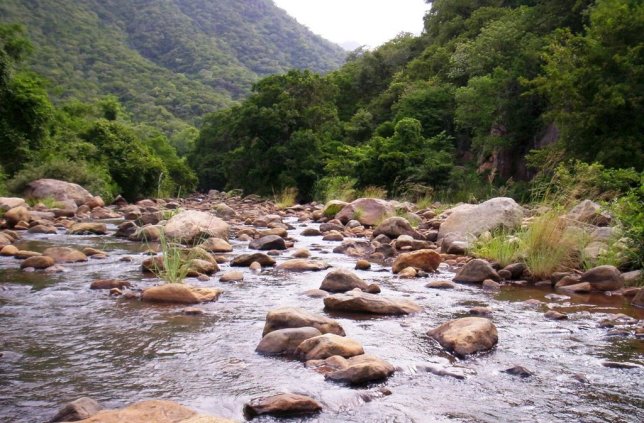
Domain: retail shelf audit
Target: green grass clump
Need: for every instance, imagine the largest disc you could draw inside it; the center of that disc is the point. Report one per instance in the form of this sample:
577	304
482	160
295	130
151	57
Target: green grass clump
286	198
332	209
501	247
373	192
49	202
175	267
335	188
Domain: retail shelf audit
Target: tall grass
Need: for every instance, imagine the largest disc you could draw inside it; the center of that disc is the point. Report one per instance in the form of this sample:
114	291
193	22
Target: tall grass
335	188
501	247
373	192
286	198
49	202
175	267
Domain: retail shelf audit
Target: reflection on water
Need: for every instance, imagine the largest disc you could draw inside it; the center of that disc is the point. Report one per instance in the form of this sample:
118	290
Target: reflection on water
62	341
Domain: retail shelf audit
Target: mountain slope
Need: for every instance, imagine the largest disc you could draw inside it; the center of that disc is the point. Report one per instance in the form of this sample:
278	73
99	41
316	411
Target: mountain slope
167	60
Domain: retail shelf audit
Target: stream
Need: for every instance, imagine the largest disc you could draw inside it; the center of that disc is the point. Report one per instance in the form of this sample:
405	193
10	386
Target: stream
60	341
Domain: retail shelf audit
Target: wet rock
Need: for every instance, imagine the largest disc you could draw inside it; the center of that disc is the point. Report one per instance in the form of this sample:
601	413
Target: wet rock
518	371
109	284
246	260
407	273
441	285
330	226
303	265
90	252
88	228
192	311
16	215
288	317
255	267
193	226
620	365
603	278
232	276
80	409
180	293
302	253
327	345
285	341
363	265
505	274
198	267
315	293
368	211
342	280
490	285
9	250
515	269
101	213
557	297
472	220
362	302
24	254
37	262
427	260
456	373
149	233
43	229
481	311
281	405
407	243
361	369
373	289
224	211
555	315
334	236
466	336
274	231
58	190
354	248
476	271
589	212
65	255
125	229
311	232
269	242
394	227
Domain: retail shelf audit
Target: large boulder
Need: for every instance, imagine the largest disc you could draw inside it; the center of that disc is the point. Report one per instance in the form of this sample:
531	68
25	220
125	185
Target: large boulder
466	222
58	190
466	336
367	211
285	341
303	265
180	293
342	280
281	405
153	411
589	212
80	409
603	278
65	255
268	242
7	203
476	271
427	260
395	226
361	302
17	214
192	226
288	317
327	345
360	369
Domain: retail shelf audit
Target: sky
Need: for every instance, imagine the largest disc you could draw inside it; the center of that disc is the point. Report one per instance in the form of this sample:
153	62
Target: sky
352	23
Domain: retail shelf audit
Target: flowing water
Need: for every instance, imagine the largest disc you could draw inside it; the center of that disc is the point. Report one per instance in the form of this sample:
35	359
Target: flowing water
61	340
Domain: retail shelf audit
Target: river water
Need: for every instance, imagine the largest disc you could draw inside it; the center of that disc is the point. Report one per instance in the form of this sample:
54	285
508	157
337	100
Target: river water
60	341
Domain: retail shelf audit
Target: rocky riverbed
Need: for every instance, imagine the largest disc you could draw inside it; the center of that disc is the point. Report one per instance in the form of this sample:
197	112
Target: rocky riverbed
434	350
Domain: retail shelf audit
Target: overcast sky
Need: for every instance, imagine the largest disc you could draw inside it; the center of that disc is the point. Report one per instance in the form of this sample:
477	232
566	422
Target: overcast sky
358	22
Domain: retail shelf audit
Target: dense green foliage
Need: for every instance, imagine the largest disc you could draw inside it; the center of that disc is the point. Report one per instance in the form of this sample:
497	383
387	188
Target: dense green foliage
486	83
93	144
168	61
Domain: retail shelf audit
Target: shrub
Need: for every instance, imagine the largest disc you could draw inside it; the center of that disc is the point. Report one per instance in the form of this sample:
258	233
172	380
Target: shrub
501	247
335	188
286	198
373	192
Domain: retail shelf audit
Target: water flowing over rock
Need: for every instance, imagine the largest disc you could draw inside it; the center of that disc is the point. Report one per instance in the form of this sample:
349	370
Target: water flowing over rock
327	345
476	271
180	293
281	405
466	336
303	265
288	317
246	260
467	221
342	280
285	341
367	211
193	226
58	190
427	260
361	302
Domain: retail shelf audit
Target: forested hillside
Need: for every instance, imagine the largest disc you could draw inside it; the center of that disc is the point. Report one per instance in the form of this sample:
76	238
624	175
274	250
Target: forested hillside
168	61
491	93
